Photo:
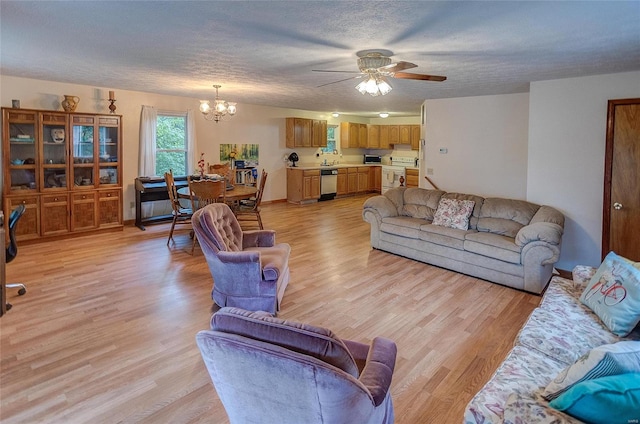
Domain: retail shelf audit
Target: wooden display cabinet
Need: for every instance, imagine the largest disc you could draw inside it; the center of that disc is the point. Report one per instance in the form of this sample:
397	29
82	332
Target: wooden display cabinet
65	168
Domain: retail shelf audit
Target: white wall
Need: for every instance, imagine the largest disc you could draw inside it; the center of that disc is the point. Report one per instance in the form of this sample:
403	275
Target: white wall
486	139
567	135
252	124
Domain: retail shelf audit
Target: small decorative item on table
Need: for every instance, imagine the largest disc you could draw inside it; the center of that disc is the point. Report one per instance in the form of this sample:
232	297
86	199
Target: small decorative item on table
201	165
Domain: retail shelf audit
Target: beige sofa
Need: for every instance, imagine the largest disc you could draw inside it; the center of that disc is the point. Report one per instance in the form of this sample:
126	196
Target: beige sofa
509	242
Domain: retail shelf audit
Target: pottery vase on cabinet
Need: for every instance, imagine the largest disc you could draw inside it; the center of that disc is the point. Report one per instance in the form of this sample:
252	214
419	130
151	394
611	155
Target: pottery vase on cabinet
70	103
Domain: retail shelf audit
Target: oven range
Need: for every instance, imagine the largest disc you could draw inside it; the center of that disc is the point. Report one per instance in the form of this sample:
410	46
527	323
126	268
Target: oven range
391	173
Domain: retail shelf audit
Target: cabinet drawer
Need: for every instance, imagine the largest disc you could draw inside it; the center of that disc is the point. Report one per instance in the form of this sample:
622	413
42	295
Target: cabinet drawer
59	198
27	201
311	172
352	170
109	194
86	197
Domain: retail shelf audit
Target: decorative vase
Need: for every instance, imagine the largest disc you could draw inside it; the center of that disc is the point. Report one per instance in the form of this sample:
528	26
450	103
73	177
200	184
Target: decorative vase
70	103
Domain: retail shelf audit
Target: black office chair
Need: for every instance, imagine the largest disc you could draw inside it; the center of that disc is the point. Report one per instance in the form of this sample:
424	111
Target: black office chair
12	249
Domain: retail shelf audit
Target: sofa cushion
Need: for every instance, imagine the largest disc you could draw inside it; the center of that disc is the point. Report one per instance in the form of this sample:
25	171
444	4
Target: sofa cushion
505	216
420	203
402	226
453	213
613	399
473	220
611	359
523	371
614	294
564	338
444	236
493	246
307	339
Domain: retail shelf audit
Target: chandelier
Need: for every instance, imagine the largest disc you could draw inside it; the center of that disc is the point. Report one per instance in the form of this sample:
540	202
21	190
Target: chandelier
374	84
219	110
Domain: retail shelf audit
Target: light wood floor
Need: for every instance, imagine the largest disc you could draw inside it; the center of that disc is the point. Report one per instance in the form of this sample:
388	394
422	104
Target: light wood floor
106	331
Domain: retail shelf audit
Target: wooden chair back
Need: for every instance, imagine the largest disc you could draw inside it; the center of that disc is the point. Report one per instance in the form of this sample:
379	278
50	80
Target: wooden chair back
223	169
263	181
205	192
173	191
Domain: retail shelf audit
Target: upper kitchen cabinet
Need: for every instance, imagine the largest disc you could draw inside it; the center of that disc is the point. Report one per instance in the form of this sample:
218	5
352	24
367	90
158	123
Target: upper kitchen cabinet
302	132
415	137
349	135
373	139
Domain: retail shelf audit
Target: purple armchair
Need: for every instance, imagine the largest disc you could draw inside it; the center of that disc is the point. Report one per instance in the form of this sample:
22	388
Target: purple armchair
268	370
249	269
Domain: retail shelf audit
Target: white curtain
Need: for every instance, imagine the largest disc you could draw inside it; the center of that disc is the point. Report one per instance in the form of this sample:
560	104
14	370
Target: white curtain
192	160
147	151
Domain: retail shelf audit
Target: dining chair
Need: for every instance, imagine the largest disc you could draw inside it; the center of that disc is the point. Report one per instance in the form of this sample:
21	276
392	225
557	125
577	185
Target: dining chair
206	192
248	212
225	170
12	250
181	215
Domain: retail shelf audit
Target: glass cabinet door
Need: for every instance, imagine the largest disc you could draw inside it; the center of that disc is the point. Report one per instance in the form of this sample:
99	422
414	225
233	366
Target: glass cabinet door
108	147
23	152
82	151
54	150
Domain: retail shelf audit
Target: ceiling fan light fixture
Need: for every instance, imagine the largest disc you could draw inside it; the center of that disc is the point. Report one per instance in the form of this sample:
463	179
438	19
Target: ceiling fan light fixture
374	85
220	109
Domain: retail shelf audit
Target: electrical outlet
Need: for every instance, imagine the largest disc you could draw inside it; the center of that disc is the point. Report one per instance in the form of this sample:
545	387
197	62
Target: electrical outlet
132	205
429	171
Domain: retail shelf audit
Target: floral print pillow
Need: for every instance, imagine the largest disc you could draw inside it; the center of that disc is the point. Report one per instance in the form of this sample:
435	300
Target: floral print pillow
454	213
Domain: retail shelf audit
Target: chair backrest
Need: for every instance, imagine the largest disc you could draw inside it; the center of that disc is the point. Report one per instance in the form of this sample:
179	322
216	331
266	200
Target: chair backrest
206	192
217	229
269	370
263	181
12	249
223	169
173	191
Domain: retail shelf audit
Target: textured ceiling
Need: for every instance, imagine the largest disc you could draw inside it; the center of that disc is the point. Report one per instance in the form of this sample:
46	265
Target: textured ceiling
264	52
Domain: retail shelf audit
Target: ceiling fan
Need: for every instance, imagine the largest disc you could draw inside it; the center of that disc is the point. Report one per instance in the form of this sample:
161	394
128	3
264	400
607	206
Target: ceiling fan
375	67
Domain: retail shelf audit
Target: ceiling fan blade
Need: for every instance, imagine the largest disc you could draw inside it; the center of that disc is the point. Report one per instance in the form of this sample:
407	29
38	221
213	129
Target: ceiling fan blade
334	82
344	72
405	75
398	66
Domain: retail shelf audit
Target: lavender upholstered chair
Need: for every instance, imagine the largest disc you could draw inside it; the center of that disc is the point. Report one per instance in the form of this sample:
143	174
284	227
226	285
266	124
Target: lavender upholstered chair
270	371
249	269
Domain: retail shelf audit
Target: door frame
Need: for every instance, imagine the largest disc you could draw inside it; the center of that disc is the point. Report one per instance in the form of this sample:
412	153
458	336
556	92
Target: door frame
608	170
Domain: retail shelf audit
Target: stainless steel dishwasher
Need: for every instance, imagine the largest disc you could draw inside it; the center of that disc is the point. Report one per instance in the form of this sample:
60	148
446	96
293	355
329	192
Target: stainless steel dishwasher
328	183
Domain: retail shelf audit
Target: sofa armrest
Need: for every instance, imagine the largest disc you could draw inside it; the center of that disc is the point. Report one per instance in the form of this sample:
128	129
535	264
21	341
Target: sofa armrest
539	231
258	238
377	373
381	205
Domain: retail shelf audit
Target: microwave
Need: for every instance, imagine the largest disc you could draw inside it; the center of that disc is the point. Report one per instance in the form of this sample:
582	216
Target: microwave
372	159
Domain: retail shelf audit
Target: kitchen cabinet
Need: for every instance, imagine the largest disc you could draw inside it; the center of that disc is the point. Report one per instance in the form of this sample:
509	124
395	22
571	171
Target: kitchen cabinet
303	185
412	176
394	134
363	136
373	136
384	137
58	164
363	179
405	134
318	133
415	137
298	132
349	135
352	180
342	188
375	179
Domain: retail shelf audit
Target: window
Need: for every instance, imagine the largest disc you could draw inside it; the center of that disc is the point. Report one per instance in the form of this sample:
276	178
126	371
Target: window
331	140
171	143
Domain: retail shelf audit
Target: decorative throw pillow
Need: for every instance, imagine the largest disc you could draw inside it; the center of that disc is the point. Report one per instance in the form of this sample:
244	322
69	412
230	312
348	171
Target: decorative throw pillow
454	213
614	294
613	399
612	359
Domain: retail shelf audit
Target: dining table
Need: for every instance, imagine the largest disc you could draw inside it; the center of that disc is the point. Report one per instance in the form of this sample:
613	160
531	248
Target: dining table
235	194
